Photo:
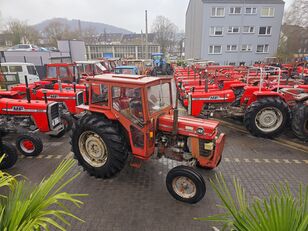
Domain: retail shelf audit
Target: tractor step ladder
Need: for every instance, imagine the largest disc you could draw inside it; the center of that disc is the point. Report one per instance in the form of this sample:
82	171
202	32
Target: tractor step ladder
135	162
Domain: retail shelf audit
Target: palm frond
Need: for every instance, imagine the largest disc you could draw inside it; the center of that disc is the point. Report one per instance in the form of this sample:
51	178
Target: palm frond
280	211
28	207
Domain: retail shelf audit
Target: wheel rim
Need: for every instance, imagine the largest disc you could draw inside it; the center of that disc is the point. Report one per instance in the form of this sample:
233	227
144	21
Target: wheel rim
269	119
27	146
93	149
184	187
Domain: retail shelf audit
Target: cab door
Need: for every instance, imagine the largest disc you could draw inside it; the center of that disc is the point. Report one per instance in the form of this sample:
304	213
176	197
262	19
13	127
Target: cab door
128	106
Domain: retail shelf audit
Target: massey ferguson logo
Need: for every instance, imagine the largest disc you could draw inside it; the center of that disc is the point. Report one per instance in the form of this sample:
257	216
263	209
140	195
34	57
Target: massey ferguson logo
18	108
214	97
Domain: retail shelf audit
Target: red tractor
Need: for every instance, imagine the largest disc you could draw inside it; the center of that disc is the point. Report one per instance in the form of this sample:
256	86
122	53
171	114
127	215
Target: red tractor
134	114
266	108
26	116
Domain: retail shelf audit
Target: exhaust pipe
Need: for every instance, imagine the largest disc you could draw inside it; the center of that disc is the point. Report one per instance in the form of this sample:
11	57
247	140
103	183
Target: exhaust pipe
27	90
60	85
45	95
175	115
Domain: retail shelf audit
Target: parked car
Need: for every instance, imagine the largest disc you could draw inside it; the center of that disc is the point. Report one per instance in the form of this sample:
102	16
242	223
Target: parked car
24	47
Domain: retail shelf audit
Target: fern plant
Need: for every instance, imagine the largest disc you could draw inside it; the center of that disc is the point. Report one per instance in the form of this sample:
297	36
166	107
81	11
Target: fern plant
281	211
39	207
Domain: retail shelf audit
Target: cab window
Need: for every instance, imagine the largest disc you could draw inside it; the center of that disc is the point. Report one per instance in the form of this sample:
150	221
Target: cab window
99	94
31	70
159	97
15	68
52	72
128	101
4	69
63	72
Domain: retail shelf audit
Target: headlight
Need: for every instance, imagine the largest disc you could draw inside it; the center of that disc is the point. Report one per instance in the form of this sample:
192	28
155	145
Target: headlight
200	131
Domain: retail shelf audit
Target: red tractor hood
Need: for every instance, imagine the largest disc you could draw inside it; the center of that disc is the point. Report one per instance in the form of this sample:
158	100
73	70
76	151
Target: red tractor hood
189	126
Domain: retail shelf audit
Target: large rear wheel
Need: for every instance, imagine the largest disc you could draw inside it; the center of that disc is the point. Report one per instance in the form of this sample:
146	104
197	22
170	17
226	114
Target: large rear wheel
267	117
300	121
98	146
10	157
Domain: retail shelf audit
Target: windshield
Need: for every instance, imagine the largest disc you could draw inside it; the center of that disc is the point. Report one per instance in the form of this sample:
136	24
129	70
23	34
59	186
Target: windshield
124	71
159	97
52	72
100	69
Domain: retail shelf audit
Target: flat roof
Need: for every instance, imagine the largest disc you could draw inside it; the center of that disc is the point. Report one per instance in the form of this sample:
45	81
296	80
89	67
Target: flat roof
127	79
17	63
246	1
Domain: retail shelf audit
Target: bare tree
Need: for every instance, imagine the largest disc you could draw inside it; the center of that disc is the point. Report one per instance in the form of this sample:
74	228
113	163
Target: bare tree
56	31
21	32
297	13
165	33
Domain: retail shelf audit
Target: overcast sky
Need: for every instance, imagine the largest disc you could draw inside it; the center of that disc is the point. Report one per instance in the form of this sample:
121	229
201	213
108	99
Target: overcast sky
128	14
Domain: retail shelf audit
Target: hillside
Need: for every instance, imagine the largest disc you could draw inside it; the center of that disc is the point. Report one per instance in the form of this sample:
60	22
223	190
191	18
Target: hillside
73	25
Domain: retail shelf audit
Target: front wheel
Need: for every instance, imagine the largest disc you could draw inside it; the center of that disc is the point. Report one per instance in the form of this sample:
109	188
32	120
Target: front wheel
267	117
99	146
185	184
29	145
10	153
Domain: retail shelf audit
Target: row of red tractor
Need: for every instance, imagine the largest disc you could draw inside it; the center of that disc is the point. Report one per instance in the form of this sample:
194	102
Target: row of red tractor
120	115
267	99
115	115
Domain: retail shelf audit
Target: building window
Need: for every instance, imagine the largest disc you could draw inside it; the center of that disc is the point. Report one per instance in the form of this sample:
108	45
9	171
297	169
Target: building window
250	10
216	31
248	29
246	47
215	49
235	10
231	48
218	11
265	30
262	48
267	12
234	29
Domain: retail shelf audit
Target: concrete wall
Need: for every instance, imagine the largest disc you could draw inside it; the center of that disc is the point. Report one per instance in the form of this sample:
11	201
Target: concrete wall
228	39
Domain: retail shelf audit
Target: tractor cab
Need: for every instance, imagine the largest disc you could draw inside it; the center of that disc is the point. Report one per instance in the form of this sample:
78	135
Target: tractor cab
60	71
129	70
134	114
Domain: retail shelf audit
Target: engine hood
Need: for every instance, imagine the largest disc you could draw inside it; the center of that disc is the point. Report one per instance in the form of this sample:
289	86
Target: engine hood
189	126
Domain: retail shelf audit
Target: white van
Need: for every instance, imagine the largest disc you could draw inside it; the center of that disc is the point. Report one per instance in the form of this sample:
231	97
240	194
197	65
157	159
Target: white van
20	70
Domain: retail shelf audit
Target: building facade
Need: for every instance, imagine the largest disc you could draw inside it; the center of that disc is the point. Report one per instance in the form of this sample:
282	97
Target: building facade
233	31
128	51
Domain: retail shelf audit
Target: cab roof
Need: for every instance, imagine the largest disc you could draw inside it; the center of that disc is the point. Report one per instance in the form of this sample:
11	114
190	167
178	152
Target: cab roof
126	67
126	79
